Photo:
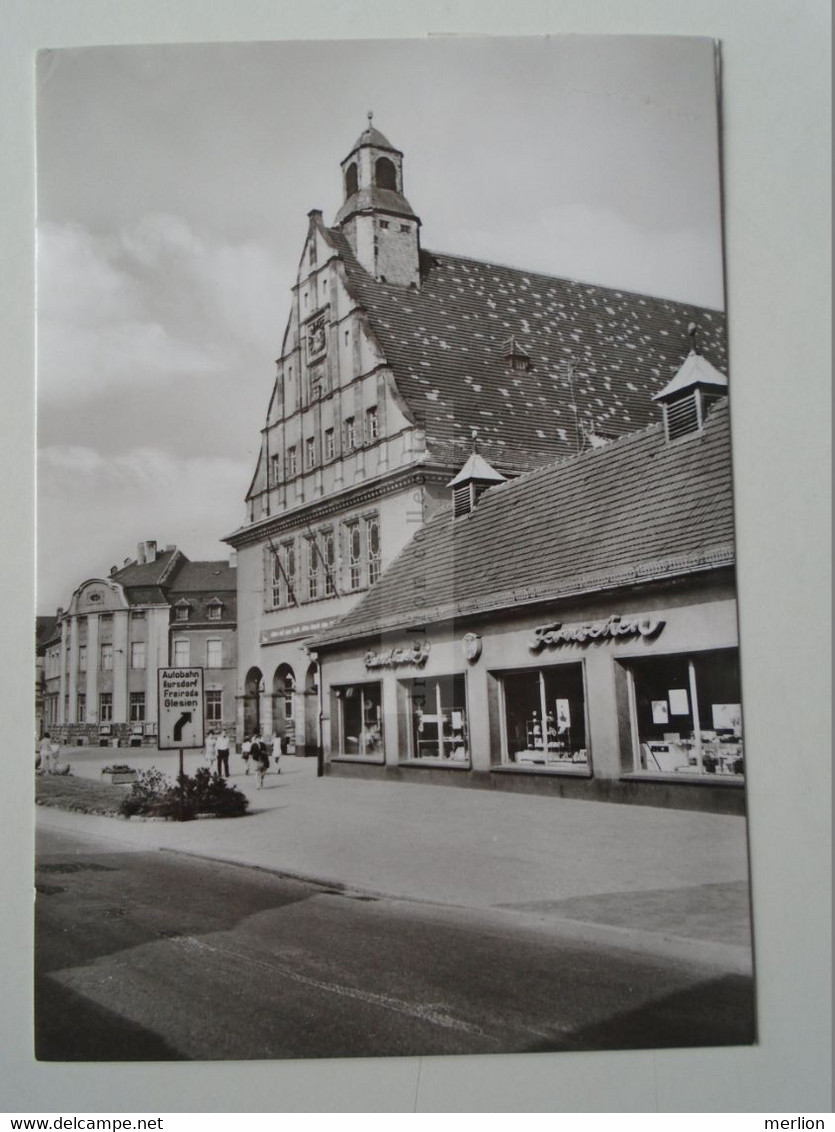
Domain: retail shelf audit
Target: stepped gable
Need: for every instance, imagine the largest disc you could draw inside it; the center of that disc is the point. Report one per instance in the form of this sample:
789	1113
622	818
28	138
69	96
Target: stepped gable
637	510
447	344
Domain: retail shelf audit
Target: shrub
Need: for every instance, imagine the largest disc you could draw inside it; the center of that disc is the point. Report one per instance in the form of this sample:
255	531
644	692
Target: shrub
154	795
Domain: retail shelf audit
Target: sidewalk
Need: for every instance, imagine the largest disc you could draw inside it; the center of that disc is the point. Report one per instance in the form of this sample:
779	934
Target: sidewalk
642	876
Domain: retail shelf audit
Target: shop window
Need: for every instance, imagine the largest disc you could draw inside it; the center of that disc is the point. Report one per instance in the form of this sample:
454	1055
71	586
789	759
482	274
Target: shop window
438	711
360	720
687	715
137	654
545	717
105	707
137	707
182	654
214	707
81	708
214	654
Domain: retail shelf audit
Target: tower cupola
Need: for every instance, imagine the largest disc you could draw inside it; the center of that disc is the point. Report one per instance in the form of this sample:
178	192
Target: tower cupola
376	218
688	397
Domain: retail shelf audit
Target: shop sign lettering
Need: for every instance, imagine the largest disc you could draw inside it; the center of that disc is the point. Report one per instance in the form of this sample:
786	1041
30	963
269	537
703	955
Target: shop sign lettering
417	655
613	628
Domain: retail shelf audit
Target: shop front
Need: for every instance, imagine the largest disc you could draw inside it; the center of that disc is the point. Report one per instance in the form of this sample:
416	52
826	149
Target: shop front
631	697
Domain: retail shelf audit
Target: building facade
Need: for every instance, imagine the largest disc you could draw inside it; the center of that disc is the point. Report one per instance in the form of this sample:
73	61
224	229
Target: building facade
572	632
155	611
393	359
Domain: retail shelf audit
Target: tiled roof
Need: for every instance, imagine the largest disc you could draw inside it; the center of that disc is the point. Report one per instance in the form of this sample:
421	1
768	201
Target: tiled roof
446	344
204	577
145	595
46	628
147	573
636	510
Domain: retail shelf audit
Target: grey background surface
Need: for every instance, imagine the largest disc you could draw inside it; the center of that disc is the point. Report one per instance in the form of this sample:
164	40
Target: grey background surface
777	177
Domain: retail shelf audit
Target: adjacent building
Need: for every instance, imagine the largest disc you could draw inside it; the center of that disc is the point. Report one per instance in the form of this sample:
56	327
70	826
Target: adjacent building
155	611
572	631
394	358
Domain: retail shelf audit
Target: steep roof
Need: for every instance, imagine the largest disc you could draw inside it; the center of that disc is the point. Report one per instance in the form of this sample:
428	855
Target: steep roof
149	573
446	345
204	577
636	510
46	627
696	370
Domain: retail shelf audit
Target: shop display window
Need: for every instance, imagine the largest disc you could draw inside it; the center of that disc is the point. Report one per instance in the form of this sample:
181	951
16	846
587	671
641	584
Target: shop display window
360	719
545	717
438	712
687	715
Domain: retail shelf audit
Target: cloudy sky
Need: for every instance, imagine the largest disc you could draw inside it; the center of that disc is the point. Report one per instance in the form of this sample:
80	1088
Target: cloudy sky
173	191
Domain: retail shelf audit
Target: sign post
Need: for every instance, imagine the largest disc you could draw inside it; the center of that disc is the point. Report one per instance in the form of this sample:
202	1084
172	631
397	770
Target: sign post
180	713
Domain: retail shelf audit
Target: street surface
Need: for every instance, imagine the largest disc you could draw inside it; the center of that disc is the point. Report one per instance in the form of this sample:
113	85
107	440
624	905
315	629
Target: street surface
145	954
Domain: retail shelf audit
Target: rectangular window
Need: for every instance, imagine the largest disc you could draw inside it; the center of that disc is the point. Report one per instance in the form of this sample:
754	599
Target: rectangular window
292	461
137	707
360	720
284	575
687	715
329	555
350	434
275	470
329	444
106	657
214	654
275	579
181	613
137	615
214	612
105	707
371	424
82	658
137	654
352	533
372	542
309	452
182	654
81	708
439	719
312	569
214	707
545	718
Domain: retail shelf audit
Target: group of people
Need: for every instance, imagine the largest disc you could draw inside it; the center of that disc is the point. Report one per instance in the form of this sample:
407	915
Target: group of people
255	751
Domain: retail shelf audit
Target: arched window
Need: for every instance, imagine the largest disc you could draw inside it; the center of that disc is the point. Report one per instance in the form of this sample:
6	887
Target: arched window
351	180
386	174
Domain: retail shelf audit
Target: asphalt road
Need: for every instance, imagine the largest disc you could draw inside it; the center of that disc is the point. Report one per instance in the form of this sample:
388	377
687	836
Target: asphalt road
160	956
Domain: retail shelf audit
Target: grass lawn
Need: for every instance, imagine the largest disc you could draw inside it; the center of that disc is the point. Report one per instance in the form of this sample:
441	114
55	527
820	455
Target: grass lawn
81	794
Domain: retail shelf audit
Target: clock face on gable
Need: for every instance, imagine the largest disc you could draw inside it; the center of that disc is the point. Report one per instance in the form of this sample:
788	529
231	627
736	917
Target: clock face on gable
316	338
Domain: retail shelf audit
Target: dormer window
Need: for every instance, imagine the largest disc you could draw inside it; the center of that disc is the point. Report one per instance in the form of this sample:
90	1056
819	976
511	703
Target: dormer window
214	609
515	356
182	611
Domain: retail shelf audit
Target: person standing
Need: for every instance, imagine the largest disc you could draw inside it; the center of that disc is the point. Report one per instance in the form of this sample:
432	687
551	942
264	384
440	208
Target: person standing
275	742
261	758
223	754
211	749
42	763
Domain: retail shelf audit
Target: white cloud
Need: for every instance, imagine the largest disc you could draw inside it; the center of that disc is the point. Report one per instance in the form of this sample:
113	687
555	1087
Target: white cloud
149	303
140	494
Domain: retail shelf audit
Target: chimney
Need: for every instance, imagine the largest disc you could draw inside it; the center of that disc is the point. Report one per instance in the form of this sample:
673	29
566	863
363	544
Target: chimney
150	550
233	558
113	570
140	553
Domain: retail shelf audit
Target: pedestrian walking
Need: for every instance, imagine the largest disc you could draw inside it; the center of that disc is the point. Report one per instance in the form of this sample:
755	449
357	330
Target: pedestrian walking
210	749
246	751
223	754
260	757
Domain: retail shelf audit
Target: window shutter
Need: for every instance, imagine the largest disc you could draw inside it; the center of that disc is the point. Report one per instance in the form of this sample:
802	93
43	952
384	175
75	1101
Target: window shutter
682	417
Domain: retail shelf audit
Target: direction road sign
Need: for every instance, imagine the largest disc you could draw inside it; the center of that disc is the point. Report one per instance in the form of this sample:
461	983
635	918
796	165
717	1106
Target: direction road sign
180	708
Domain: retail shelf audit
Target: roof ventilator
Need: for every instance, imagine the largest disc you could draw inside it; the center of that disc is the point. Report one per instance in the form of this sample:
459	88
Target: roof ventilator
471	483
687	399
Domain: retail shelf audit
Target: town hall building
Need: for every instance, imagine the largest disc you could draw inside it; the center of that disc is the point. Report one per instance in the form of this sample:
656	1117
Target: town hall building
397	361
